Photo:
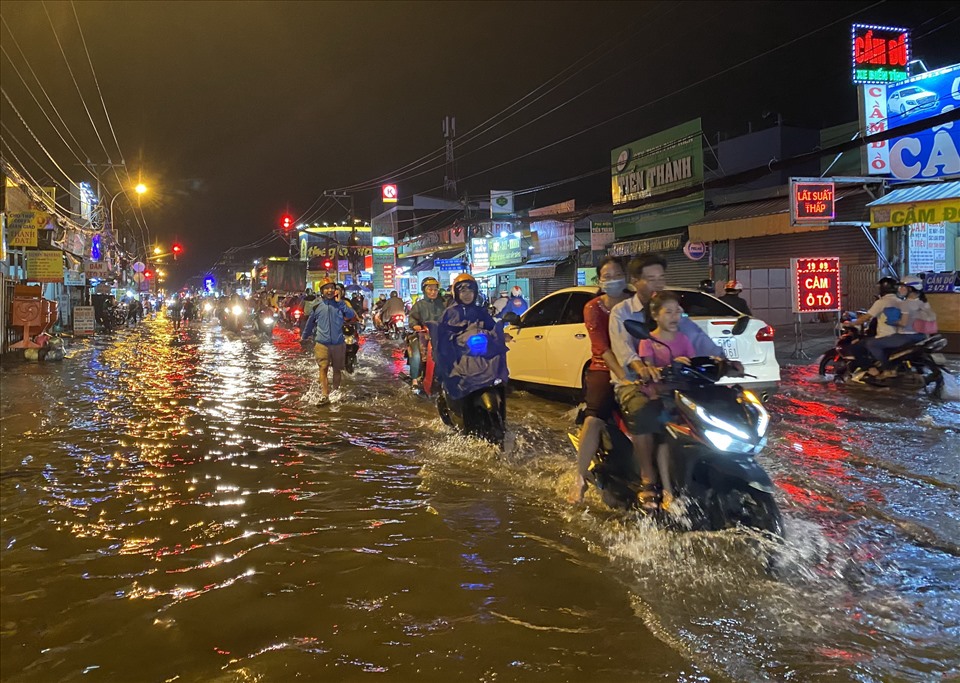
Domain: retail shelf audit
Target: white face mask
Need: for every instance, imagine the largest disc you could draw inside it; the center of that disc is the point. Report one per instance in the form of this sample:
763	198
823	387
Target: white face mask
614	287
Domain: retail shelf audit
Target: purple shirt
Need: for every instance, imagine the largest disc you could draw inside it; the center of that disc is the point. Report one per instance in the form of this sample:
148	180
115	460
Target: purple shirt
661	356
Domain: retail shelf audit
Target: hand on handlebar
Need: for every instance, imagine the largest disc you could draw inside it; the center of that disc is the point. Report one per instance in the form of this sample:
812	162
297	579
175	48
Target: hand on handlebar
648	373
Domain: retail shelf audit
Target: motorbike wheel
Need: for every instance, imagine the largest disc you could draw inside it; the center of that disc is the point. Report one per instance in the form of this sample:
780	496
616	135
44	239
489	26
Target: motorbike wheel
349	364
932	380
444	410
832	364
745	507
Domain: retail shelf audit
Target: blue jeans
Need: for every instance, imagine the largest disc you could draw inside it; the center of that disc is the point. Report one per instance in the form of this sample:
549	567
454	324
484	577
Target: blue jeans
879	346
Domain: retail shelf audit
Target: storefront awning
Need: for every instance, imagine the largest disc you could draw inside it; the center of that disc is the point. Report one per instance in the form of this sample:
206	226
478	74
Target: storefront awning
930	203
748	219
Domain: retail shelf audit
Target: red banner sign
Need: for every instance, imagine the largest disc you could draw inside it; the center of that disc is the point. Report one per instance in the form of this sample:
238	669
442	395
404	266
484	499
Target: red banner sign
812	202
816	284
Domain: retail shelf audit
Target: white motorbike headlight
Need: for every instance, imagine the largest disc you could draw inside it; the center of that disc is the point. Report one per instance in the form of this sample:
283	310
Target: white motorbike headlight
208	306
719	439
763	417
268	321
238	309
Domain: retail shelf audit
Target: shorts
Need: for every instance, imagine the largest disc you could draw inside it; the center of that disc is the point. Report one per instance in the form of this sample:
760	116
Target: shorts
599	394
334	355
640	413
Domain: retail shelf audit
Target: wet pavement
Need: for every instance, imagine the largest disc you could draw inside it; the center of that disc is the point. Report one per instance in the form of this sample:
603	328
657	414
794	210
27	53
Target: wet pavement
177	507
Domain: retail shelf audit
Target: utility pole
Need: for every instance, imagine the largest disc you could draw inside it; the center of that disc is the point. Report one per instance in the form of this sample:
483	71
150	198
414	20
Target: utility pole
449	165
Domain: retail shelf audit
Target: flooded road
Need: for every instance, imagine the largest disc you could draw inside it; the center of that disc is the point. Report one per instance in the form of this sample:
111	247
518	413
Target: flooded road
177	507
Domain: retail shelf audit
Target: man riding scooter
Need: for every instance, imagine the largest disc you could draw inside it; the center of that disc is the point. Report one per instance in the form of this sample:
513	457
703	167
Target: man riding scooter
428	309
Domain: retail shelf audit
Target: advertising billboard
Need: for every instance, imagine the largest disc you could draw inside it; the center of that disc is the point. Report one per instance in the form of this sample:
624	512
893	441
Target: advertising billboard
653	165
881	54
816	284
929	153
811	201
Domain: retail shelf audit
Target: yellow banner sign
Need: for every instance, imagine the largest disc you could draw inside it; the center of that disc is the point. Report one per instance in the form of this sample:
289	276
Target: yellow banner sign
45	266
22	228
893	215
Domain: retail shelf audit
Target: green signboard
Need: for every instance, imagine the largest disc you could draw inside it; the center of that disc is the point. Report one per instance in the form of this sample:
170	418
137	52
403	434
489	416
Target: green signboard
505	251
660	163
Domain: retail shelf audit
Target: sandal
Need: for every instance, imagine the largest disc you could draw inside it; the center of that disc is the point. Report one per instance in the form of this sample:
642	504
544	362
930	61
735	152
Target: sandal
648	498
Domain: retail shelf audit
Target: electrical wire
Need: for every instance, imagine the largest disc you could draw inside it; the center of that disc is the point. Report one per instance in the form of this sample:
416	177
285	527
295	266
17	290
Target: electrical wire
43	90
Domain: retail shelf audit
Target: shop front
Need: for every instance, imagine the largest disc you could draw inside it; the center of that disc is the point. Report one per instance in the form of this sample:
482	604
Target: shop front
923	226
759	239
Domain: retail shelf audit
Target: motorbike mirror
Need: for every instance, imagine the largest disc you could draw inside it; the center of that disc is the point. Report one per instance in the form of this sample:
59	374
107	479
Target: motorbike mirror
511	319
741	325
637	329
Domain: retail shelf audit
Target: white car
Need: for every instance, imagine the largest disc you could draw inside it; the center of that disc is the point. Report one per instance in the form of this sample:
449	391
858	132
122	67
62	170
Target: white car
550	345
911	100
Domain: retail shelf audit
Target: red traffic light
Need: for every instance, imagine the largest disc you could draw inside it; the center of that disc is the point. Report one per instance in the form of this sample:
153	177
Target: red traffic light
177	249
148	274
328	264
286	221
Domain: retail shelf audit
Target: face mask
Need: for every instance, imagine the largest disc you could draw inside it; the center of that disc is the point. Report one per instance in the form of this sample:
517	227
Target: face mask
614	287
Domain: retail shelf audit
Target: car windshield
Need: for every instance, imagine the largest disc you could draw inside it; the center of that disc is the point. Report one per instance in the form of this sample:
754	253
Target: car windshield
910	91
697	304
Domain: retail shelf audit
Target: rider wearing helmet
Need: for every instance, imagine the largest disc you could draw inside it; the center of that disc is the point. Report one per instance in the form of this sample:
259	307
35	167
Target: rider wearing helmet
516	304
921	318
891	314
428	309
325	327
733	298
462	371
392	307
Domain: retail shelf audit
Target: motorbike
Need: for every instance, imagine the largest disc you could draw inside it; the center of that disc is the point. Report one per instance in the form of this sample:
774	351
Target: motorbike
913	366
264	321
482	414
232	317
396	326
351	337
714	433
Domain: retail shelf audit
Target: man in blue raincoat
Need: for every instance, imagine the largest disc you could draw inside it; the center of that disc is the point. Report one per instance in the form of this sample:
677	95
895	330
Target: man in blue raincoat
516	303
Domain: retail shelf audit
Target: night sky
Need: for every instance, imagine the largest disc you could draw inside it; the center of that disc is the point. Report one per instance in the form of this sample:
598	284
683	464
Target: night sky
235	112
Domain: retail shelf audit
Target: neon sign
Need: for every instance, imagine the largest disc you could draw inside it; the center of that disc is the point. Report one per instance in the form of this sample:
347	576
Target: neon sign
811	201
389	193
816	284
881	54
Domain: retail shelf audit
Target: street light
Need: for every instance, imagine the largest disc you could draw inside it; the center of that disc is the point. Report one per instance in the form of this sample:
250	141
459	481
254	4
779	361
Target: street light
140	189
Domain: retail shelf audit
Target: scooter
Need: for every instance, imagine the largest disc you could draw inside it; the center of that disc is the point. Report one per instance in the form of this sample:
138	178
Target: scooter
263	322
351	338
482	414
714	433
917	365
232	319
395	326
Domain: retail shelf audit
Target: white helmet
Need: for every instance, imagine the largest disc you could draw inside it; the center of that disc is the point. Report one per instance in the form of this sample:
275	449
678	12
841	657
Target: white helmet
913	282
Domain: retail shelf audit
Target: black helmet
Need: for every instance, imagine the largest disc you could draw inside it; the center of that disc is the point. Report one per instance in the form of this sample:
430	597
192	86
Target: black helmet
887	285
707	286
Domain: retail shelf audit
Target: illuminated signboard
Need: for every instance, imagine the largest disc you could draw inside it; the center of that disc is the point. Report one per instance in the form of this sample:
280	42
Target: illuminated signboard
881	54
390	194
816	284
811	201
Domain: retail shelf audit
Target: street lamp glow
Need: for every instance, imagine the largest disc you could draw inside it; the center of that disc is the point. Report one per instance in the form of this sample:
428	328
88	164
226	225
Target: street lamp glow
140	188
157	250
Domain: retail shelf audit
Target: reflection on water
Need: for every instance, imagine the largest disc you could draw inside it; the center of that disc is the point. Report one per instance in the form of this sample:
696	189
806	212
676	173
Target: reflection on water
176	506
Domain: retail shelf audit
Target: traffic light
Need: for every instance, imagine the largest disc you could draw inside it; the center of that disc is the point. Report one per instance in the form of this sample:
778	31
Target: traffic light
148	274
286	222
327	265
177	250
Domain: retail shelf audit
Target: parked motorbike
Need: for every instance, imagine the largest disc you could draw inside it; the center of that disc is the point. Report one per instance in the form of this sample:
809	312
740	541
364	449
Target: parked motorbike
396	326
714	433
482	414
351	337
918	365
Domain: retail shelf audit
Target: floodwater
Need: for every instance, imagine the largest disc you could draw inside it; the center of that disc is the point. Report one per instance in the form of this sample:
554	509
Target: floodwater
177	507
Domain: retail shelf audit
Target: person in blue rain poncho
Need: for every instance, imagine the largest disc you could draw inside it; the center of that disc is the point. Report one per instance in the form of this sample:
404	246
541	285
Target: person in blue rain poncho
471	350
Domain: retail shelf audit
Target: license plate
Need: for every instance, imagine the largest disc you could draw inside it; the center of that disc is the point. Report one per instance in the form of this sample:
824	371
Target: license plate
939	358
729	347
